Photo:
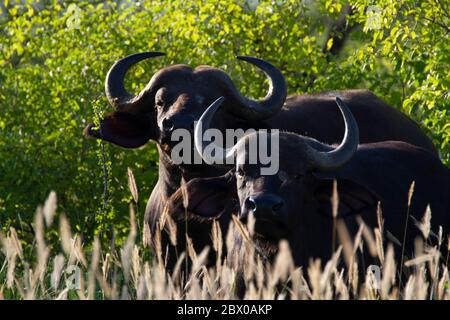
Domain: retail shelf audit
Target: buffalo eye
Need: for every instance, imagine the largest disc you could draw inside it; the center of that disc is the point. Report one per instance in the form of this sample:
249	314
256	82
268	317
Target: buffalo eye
161	98
159	104
240	172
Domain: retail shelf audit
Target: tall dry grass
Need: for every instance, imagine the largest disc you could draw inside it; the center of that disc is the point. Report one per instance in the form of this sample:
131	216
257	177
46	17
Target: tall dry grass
78	271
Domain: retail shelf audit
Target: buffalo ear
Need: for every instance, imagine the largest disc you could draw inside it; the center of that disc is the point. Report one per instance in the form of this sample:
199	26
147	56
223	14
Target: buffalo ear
354	198
123	129
207	198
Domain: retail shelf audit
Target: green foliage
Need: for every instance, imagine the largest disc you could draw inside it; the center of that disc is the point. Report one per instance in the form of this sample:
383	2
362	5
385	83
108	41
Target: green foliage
410	41
53	66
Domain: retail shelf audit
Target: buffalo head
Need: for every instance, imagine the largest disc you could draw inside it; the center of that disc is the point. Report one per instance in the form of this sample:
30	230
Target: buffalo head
175	98
276	200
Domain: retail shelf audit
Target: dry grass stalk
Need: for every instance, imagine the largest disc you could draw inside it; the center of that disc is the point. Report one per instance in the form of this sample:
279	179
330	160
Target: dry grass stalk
12	248
411	192
425	224
200	260
358	241
158	248
410	195
389	272
79	252
42	250
177	268
49	209
346	242
146	235
328	270
132	186
335	200
185	197
240	228
380	219
379	243
230	239
217	243
368	236
141	290
163	217
95	259
66	237
171	230
421	259
284	264
341	287
354	279
334	212
190	250
62	295
58	265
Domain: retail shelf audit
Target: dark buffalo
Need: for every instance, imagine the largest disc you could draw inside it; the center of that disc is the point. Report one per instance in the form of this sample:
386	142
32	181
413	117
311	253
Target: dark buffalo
294	204
176	96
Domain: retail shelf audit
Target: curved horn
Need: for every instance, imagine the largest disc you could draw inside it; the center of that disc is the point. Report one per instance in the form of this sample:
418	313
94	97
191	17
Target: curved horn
344	152
115	91
221	156
249	109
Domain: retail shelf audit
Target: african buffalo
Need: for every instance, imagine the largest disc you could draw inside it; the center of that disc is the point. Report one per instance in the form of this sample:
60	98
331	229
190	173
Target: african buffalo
294	204
176	96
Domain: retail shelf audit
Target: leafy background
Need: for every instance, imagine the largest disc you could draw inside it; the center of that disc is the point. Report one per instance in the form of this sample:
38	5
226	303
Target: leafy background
51	82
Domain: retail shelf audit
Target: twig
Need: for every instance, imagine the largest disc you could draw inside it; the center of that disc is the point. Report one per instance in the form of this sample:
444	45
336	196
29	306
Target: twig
447	14
105	175
438	24
410	193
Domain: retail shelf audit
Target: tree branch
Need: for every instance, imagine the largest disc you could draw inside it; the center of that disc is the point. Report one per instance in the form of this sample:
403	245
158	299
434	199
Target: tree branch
447	28
338	32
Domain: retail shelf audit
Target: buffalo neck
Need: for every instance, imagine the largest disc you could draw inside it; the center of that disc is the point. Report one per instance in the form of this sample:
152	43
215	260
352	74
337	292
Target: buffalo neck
169	175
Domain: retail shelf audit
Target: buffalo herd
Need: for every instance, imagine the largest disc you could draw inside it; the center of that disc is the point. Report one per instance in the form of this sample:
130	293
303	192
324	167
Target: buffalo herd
350	139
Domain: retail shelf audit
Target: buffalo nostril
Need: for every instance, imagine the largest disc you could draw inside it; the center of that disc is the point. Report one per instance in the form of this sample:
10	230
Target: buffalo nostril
167	124
192	126
251	204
